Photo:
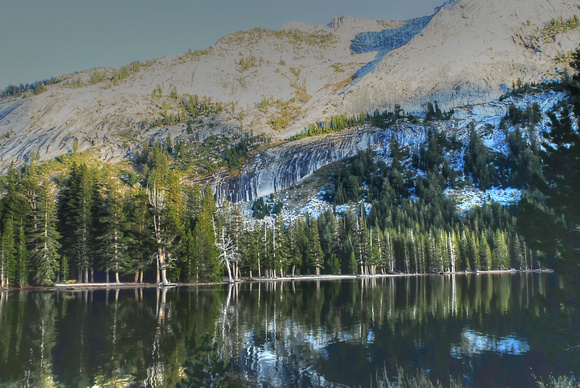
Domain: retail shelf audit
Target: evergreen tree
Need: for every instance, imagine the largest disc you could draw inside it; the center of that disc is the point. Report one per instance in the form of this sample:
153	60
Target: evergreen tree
44	239
138	235
165	203
550	220
315	254
453	248
352	263
8	264
471	251
249	252
517	252
77	221
388	253
281	245
295	260
22	264
112	240
210	267
484	253
500	257
477	161
191	252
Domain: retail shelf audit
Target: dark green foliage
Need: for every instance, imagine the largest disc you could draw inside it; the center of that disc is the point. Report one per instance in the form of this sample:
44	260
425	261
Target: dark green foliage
13	91
44	239
532	115
478	163
261	208
435	113
204	234
112	244
8	262
551	216
77	217
314	253
205	368
361	178
523	160
519	88
235	155
138	235
339	123
334	124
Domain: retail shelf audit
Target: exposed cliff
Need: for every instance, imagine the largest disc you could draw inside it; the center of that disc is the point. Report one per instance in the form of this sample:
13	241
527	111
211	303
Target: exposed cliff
388	40
290	163
283	166
468	53
278	82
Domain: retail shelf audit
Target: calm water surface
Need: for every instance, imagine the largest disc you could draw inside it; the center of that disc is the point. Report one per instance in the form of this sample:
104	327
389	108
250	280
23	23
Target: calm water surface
486	330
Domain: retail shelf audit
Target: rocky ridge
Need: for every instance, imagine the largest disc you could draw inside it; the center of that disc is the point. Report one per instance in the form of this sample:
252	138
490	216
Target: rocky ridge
464	54
282	167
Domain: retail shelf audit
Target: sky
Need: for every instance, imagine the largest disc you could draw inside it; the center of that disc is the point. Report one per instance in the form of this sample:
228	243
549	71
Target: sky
44	38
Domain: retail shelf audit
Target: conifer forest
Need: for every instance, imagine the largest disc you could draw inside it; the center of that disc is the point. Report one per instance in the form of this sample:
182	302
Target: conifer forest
75	219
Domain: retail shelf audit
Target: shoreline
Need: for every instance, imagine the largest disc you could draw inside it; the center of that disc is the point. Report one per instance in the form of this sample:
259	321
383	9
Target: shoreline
115	286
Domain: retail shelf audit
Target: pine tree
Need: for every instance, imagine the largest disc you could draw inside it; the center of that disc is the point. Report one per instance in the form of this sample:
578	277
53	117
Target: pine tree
191	252
388	253
352	263
44	241
249	252
8	265
138	235
471	247
281	245
112	242
176	217
315	254
500	256
77	220
22	264
477	161
484	253
210	267
165	202
551	221
516	251
453	251
295	260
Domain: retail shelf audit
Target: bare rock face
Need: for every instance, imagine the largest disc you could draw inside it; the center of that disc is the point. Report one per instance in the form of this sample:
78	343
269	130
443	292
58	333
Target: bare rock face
467	52
388	40
282	166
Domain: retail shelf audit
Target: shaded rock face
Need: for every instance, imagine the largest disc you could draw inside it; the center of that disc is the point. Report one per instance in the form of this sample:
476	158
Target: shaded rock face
281	167
392	38
388	40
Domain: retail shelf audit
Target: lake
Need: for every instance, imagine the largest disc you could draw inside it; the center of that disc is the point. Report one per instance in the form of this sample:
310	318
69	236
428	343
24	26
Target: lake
485	330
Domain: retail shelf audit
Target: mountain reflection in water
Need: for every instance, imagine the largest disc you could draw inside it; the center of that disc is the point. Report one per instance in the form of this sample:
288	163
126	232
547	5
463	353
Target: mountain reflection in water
486	329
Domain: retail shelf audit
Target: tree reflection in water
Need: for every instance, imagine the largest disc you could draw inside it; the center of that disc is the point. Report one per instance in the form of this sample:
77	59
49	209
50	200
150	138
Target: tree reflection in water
299	333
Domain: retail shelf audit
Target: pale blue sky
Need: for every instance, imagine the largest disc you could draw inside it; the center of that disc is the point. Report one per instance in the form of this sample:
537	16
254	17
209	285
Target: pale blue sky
44	38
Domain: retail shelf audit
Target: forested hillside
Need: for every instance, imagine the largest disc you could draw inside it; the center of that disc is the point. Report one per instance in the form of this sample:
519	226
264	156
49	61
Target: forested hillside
77	218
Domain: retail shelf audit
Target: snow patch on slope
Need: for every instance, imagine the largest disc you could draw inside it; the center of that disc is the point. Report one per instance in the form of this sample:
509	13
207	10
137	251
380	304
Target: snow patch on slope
469	198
